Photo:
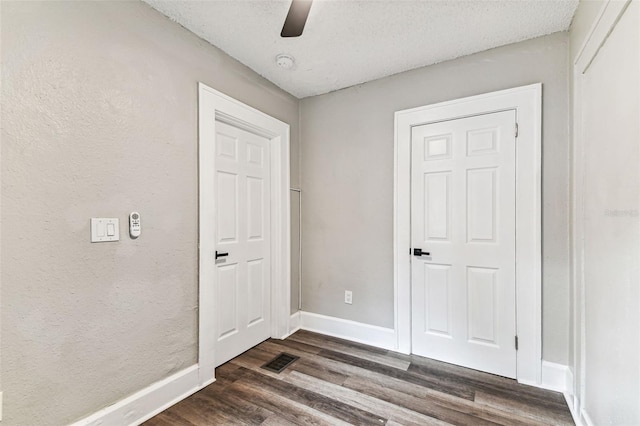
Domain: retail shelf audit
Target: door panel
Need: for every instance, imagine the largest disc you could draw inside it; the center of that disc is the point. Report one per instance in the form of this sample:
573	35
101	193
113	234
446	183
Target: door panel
463	215
227	278
481	205
437	297
481	293
227	229
243	278
436	195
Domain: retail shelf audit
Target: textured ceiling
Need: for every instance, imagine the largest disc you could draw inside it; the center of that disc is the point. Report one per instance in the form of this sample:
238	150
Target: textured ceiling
347	42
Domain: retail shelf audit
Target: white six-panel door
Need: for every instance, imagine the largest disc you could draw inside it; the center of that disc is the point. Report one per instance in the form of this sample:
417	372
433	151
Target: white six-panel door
243	285
463	215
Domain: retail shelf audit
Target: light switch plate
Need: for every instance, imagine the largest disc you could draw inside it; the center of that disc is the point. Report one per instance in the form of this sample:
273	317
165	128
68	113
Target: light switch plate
105	229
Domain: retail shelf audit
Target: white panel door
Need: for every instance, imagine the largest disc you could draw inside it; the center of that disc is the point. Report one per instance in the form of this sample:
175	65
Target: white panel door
243	284
463	216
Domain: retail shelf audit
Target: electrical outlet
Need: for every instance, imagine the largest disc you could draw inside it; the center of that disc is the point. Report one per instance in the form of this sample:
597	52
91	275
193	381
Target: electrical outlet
348	297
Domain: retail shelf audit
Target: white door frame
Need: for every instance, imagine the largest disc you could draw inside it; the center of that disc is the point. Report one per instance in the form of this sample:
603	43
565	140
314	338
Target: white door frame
212	106
527	102
603	25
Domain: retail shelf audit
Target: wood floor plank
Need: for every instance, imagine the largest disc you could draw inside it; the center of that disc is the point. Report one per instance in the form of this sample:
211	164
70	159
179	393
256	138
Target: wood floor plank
356	350
291	411
337	382
320	371
173	418
439	384
228	371
197	411
277	420
294	344
230	411
244	410
363	401
500	387
164	419
459	404
332	407
420	405
534	412
319	340
423	365
226	374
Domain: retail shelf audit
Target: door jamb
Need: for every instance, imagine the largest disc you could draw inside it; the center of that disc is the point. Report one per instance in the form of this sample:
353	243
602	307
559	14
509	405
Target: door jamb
527	101
212	106
603	25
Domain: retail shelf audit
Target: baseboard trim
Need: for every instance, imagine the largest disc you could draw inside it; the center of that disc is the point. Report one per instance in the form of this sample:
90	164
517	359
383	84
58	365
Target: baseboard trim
585	419
372	335
572	403
294	324
556	377
148	402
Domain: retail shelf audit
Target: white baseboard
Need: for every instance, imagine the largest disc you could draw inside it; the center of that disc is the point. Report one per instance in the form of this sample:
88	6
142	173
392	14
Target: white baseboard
556	377
572	403
579	414
585	419
149	401
372	335
294	324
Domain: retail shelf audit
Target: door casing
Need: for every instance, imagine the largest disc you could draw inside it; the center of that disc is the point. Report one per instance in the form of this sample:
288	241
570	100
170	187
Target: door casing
212	106
605	22
527	101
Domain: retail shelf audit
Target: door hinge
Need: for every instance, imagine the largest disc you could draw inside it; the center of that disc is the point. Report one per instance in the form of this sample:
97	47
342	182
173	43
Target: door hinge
516	343
516	130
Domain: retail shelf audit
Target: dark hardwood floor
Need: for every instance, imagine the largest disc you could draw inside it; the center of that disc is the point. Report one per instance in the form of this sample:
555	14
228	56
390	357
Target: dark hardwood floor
340	382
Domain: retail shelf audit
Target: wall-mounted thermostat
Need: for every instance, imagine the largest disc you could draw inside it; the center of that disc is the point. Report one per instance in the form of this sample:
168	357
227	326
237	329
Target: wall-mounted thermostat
134	224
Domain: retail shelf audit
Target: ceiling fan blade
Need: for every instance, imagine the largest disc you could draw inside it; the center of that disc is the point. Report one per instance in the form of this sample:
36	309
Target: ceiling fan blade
296	18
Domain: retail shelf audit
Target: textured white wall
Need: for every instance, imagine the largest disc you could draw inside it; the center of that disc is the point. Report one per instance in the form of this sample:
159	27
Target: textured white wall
99	118
347	176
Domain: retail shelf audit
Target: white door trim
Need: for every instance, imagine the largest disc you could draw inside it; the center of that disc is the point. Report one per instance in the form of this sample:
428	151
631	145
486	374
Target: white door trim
527	101
212	106
605	22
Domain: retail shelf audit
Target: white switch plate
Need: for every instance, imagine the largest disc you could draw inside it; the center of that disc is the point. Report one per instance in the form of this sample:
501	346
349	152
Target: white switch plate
105	229
348	297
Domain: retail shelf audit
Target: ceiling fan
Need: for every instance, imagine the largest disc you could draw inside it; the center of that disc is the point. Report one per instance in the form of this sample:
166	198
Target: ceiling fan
296	18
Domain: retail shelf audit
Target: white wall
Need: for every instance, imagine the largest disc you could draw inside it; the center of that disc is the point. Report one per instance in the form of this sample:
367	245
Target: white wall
99	118
347	176
606	194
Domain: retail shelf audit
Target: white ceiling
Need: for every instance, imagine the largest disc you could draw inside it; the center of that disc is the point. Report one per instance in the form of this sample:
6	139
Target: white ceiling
347	42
